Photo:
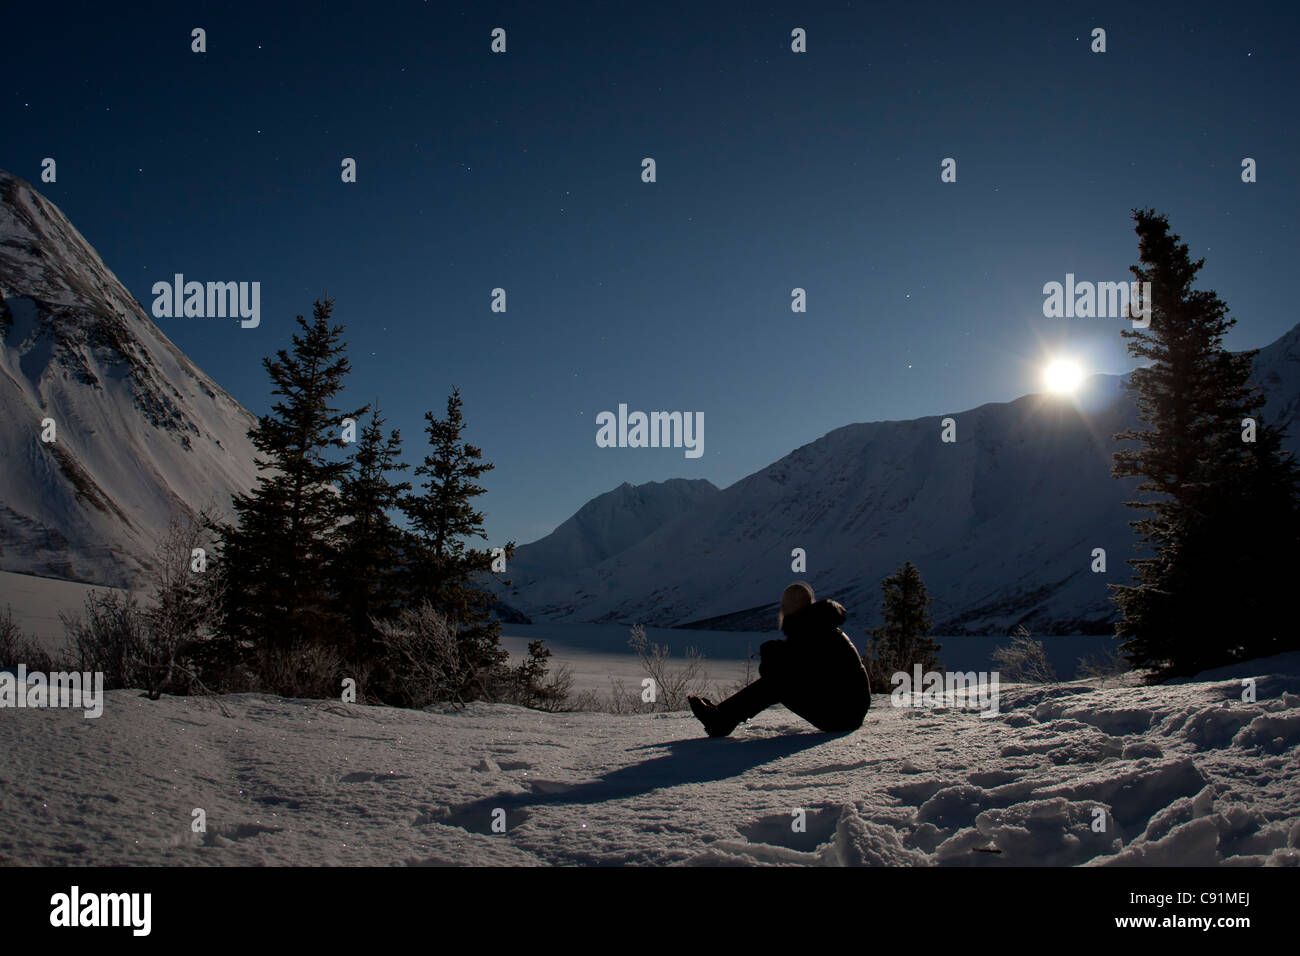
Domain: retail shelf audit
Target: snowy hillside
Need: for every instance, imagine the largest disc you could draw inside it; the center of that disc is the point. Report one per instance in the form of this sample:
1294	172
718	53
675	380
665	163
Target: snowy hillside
1002	523
1182	774
139	429
609	524
1277	372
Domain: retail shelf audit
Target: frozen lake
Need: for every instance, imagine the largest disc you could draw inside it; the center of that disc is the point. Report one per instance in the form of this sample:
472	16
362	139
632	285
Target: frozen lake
598	653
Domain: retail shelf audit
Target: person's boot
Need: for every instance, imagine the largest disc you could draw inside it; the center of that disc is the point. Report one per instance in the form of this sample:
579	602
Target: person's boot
716	723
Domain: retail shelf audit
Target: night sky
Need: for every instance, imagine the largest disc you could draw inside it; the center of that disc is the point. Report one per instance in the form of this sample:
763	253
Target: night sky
775	170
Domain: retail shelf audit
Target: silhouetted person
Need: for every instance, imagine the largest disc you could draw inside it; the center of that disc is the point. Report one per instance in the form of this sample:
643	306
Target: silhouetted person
816	672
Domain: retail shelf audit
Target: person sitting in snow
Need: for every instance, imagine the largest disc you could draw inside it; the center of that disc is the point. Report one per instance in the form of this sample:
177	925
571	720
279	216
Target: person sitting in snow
816	672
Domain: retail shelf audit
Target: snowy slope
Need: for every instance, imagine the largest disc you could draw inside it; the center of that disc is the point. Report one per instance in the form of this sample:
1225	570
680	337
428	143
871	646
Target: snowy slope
1181	775
140	429
1002	523
1277	372
613	522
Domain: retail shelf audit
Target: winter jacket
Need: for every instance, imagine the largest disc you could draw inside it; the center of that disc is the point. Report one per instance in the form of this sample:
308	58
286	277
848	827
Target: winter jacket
817	668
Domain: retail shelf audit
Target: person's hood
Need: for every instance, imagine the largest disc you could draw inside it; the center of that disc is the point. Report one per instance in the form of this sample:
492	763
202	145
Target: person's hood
818	616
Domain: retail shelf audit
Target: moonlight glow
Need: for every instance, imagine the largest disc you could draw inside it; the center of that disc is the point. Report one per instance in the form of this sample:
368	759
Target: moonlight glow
1063	376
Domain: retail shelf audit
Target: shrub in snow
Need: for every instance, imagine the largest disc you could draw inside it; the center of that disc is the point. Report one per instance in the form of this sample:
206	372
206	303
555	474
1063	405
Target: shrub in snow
1105	664
1024	661
426	660
310	670
423	657
672	685
158	645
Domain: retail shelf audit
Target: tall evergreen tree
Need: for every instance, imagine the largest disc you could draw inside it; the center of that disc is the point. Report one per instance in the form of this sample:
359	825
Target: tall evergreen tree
444	570
277	555
1221	517
371	553
903	640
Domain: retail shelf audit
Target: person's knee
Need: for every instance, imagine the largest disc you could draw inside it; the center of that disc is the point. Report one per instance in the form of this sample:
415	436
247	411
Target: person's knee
771	657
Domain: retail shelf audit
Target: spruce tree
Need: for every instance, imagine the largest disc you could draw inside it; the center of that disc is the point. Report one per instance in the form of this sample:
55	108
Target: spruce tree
277	554
1221	516
903	640
370	553
444	570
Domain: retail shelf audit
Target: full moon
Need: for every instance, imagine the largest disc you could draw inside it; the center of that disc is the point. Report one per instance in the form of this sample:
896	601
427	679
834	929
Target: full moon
1063	376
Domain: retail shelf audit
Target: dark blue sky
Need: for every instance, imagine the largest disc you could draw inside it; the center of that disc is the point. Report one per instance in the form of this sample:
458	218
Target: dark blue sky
775	170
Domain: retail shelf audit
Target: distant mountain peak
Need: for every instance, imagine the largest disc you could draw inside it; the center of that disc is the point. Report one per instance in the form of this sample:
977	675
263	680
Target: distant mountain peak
609	524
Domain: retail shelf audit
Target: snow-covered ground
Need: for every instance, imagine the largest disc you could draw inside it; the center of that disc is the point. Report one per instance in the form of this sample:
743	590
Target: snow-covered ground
1178	775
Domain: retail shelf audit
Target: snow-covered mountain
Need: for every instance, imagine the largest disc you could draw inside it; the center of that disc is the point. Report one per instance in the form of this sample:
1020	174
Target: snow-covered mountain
1002	523
611	523
1277	372
140	431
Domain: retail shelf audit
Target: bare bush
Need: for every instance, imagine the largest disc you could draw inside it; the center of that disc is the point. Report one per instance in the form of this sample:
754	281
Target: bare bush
186	613
623	699
619	699
426	660
1024	661
154	646
310	671
187	594
423	656
555	690
108	635
585	700
1105	664
672	685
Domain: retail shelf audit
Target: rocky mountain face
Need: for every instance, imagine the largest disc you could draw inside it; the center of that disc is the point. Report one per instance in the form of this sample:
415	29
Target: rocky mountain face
138	431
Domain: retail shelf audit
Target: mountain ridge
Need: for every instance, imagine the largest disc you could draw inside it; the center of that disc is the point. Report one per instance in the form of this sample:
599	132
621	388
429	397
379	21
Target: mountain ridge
1029	479
1002	522
140	432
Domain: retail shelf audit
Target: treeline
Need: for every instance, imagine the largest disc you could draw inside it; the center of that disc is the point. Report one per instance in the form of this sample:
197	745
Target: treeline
316	588
318	581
